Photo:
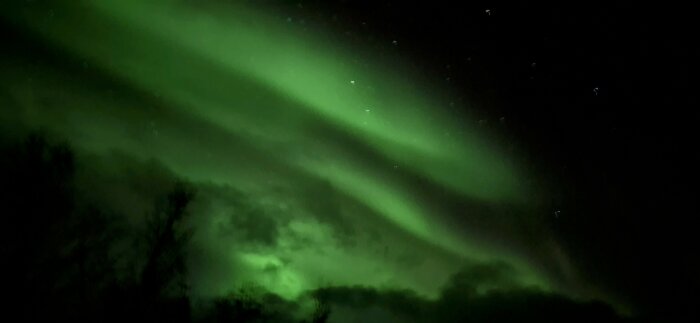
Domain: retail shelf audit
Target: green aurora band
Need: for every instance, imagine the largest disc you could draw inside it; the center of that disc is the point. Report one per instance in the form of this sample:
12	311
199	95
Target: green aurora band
341	151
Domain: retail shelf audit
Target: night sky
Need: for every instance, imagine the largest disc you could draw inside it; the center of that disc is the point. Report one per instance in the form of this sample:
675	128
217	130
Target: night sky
348	161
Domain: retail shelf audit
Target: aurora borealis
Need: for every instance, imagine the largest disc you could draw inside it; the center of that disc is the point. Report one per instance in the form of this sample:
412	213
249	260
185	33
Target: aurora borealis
318	165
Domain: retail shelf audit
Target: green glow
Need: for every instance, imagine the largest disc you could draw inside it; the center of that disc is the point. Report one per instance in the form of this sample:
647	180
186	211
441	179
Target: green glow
260	106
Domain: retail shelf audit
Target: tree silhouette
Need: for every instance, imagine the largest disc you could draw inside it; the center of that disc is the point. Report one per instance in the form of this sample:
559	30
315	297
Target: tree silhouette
67	257
37	199
165	263
321	313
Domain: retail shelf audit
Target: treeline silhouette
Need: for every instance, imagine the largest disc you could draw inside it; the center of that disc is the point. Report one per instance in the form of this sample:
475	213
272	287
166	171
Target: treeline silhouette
69	258
66	259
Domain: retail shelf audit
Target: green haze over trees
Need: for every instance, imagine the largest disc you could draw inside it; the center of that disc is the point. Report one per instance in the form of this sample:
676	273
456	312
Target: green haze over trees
66	257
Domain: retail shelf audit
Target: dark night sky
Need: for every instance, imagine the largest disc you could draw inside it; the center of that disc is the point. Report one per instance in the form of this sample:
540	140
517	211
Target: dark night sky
594	98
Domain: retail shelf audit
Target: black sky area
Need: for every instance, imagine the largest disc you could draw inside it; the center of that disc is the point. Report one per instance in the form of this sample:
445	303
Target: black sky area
595	98
598	97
